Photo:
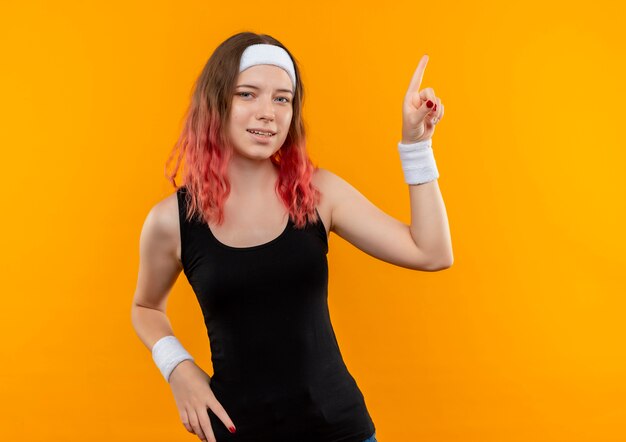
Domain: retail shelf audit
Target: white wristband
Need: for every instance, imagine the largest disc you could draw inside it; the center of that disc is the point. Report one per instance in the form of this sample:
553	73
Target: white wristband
167	353
418	162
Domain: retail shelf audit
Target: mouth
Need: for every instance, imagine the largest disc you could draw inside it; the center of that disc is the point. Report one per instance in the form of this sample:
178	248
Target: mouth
260	133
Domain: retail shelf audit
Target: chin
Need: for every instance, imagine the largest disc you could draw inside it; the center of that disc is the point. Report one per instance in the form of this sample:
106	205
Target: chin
256	154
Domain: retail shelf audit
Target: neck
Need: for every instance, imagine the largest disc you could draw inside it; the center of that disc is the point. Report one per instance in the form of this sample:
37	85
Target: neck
251	178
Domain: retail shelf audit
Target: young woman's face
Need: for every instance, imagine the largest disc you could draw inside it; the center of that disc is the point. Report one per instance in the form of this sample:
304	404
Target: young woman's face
265	104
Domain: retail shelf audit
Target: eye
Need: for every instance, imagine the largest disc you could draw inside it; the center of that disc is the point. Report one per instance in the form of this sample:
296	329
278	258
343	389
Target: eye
242	94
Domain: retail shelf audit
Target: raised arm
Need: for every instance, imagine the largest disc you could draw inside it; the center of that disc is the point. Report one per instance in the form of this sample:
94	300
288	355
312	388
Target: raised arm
425	244
364	225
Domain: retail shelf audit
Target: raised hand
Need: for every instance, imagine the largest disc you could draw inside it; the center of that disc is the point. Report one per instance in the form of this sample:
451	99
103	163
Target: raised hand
421	110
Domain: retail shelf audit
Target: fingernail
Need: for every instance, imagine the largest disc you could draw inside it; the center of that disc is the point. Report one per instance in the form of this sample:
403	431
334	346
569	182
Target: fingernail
429	103
435	108
231	429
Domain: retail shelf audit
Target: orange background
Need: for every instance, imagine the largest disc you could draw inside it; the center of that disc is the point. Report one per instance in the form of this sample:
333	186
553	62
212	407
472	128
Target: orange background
521	340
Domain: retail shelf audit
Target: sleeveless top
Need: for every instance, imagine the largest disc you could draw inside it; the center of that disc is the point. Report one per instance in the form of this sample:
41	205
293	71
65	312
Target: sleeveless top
278	371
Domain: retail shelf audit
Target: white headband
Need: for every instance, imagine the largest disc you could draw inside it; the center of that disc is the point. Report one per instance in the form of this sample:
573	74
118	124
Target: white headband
268	54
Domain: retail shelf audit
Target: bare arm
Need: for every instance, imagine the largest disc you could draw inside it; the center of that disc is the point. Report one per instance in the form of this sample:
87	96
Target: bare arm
364	225
159	268
429	223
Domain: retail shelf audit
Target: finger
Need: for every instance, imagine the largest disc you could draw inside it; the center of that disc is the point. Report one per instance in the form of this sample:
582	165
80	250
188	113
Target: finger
431	114
439	109
434	110
185	420
416	81
436	113
428	93
219	411
425	112
195	424
418	100
205	423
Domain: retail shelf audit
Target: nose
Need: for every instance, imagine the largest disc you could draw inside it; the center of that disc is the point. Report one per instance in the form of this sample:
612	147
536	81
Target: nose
266	109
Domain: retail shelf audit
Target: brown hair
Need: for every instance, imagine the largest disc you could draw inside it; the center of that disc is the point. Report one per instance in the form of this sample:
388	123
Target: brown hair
206	149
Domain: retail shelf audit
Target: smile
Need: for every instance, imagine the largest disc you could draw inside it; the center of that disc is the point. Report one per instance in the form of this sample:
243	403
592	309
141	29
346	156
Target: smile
262	134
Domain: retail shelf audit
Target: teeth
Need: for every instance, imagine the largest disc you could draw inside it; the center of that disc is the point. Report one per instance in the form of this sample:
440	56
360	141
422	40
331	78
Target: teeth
267	134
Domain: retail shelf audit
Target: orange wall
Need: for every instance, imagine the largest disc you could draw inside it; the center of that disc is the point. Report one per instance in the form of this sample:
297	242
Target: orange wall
521	340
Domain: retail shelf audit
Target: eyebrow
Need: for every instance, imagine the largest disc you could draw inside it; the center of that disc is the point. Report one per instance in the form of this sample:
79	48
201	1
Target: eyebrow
257	88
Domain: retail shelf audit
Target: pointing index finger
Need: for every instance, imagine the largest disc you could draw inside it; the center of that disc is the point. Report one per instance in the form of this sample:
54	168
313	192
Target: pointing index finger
416	81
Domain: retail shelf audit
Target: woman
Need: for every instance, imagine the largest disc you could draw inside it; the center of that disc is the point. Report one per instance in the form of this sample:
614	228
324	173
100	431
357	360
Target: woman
249	227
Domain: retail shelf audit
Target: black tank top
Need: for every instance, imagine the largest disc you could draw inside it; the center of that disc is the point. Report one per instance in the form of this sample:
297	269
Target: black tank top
278	371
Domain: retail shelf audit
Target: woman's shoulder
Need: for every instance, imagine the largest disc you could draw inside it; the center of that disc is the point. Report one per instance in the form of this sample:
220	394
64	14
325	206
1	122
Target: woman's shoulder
167	209
163	219
322	179
326	180
330	184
